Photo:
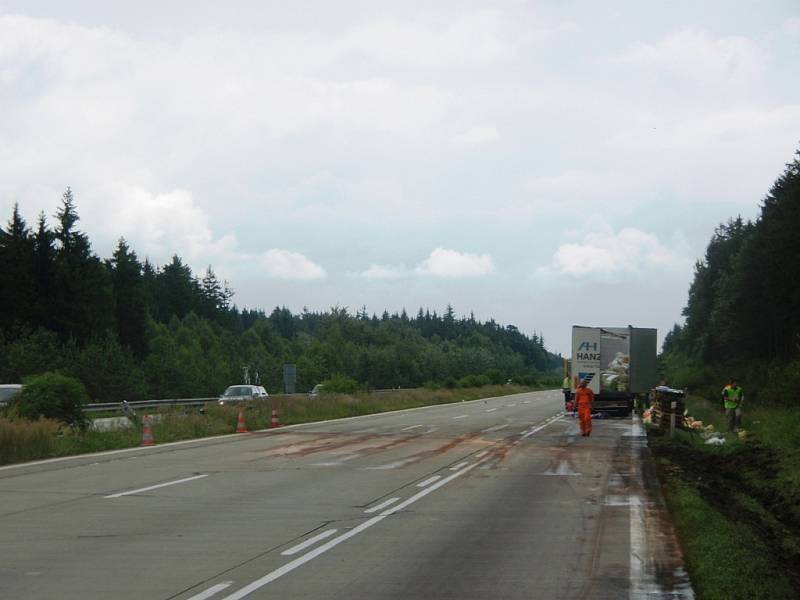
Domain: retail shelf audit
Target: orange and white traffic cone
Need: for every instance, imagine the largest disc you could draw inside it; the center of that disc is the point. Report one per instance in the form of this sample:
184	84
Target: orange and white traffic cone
147	432
275	421
240	426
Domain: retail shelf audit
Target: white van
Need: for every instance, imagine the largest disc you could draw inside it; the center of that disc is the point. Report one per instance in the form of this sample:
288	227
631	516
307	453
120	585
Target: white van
239	393
8	391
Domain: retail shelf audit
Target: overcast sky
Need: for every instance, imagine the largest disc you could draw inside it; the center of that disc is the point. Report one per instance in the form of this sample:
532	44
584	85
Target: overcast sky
540	163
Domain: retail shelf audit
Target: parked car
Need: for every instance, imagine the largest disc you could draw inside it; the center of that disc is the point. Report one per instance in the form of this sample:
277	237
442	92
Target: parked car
316	390
239	393
7	391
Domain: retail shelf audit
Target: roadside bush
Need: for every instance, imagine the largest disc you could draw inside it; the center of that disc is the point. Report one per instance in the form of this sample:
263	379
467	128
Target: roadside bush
495	376
525	379
52	396
473	381
782	385
340	384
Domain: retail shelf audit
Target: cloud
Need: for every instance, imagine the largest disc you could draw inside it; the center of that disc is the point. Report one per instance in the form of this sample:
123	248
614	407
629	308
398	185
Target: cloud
477	135
290	265
449	263
791	26
159	225
383	272
479	38
701	56
604	253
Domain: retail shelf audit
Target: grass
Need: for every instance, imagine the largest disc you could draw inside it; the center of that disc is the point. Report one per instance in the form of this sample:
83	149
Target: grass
735	506
25	440
726	560
22	440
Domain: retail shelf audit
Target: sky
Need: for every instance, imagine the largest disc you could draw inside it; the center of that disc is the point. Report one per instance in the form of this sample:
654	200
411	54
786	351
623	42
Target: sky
542	163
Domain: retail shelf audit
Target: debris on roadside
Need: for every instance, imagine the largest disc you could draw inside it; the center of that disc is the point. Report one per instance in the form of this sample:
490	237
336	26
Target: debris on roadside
716	440
666	403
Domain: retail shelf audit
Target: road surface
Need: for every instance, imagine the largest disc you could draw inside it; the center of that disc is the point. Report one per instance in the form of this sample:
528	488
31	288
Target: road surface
496	498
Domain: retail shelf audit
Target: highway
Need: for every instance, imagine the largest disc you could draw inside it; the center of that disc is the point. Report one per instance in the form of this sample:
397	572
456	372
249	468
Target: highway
496	498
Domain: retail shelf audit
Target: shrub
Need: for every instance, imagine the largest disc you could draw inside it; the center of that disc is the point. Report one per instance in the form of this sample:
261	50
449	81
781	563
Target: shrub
782	385
340	384
473	381
52	396
495	376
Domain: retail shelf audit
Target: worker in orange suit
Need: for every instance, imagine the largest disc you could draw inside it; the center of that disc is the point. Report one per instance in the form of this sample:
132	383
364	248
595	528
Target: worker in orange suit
584	397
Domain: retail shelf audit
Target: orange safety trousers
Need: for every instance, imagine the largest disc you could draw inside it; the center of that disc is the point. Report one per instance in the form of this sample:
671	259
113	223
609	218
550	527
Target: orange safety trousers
584	397
585	415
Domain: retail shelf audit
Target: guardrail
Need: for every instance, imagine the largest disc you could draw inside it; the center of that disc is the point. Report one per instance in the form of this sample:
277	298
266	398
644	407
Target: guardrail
115	406
137	404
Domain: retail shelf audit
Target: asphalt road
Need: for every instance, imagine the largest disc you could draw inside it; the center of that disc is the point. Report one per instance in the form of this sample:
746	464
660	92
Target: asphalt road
497	498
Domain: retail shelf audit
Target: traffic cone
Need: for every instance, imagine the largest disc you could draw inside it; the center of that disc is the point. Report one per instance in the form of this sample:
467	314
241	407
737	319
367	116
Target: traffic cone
147	432
240	426
275	421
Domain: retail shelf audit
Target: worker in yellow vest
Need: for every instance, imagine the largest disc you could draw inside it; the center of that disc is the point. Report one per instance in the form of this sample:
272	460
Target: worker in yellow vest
565	387
733	397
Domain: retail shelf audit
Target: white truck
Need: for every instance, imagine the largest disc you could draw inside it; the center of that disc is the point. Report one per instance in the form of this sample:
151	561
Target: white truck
618	363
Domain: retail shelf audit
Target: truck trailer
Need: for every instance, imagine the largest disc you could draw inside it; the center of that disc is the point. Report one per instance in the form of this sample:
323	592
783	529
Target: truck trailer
617	363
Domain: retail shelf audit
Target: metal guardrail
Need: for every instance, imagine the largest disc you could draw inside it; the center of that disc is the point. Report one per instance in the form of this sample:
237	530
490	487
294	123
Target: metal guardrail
137	404
115	406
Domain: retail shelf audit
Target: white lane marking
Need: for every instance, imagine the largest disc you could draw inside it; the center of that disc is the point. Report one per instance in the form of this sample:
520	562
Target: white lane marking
495	428
491	409
309	542
461	416
547	422
481	454
381	506
510	405
526	401
155	487
458	466
622	500
392	465
301	560
564	468
411	427
336	463
211	591
429	481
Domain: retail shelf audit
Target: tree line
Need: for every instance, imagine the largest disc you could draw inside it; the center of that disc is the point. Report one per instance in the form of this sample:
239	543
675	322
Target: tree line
743	309
132	330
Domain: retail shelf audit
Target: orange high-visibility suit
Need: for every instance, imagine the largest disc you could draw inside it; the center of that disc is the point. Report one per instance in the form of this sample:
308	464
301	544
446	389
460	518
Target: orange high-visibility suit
584	397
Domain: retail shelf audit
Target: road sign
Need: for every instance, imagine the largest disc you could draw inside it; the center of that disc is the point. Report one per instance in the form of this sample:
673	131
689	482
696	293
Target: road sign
289	378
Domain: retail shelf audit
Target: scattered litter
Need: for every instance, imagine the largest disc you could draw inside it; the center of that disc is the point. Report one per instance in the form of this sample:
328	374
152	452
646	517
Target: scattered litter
715	441
742	434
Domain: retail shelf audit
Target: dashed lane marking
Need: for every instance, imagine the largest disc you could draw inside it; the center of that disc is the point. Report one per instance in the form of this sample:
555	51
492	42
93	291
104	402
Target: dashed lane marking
155	487
429	481
381	506
309	542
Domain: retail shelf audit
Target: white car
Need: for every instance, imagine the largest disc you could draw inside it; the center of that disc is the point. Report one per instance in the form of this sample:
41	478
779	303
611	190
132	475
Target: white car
7	391
240	393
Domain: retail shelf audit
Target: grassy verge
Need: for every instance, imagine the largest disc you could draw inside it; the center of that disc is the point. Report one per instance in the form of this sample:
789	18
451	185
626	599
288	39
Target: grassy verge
736	507
22	440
